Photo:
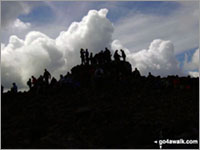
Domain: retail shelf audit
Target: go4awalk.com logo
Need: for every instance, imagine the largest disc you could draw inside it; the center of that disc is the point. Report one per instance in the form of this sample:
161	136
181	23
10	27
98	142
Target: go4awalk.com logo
179	141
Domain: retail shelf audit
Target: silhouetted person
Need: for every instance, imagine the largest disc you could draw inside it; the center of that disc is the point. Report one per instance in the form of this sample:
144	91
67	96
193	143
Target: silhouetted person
99	57
53	82
68	74
82	56
136	73
14	88
40	84
61	80
150	76
107	55
40	80
34	81
61	77
116	56
2	88
29	83
47	76
123	55
87	56
91	58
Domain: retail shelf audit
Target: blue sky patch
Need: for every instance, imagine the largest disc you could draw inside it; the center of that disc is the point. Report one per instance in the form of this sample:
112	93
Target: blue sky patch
181	57
39	15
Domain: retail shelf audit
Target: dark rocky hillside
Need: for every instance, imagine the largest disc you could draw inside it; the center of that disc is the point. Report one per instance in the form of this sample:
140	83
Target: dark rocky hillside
116	109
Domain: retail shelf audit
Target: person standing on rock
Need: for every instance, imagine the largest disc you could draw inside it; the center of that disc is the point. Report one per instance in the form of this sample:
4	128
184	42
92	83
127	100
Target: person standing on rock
82	56
116	56
29	83
123	55
46	76
14	88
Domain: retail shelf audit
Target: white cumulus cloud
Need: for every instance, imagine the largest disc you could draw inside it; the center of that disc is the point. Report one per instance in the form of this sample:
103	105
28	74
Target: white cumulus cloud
159	58
20	25
181	27
23	58
194	63
94	32
194	74
11	10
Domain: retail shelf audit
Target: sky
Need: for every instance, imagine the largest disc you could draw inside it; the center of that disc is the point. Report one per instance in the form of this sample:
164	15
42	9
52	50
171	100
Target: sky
159	37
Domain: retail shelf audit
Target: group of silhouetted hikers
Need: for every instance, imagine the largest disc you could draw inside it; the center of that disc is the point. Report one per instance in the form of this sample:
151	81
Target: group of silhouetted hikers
46	82
97	70
40	81
101	57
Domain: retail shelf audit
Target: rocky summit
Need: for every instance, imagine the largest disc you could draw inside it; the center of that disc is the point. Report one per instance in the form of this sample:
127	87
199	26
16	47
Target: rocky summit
101	107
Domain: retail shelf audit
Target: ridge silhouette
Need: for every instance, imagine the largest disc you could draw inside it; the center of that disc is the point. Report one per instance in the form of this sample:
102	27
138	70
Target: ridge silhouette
101	103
